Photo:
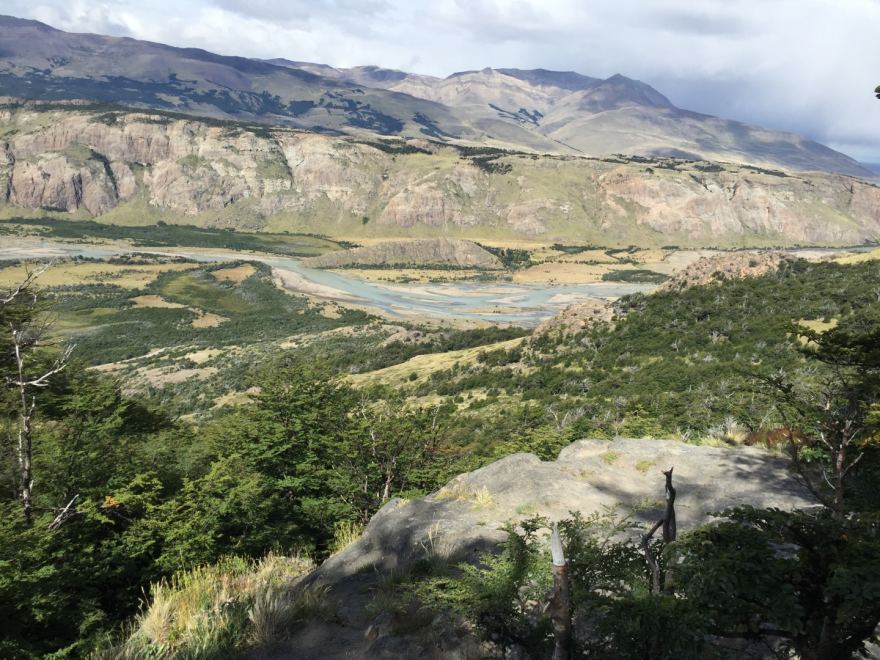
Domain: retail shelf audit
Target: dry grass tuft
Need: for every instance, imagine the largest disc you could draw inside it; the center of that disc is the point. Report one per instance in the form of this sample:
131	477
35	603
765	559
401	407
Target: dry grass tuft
207	320
236	274
212	611
152	300
345	532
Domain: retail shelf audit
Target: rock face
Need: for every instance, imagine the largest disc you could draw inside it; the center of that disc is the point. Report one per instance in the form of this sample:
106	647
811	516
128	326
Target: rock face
467	514
587	476
426	252
74	157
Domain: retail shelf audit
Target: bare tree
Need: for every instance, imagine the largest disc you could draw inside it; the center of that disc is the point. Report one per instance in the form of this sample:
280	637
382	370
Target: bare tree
559	603
19	312
670	532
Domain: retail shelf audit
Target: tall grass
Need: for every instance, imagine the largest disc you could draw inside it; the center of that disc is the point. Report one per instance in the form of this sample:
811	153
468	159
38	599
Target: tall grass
219	610
345	532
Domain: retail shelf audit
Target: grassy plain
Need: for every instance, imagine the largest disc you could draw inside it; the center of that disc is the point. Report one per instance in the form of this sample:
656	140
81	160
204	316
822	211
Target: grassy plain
422	366
76	273
873	255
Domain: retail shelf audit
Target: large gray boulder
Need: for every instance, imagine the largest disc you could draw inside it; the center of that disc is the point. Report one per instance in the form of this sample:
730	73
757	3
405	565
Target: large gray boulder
470	510
468	514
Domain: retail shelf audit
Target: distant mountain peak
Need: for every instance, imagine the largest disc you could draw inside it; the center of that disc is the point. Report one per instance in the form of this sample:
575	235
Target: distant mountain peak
570	80
618	91
537	110
13	21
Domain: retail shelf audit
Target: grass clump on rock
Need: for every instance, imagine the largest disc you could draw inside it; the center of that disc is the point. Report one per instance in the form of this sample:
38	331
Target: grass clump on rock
216	610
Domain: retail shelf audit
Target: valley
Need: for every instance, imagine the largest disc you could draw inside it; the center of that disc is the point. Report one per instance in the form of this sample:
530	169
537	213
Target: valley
141	309
419	366
315	361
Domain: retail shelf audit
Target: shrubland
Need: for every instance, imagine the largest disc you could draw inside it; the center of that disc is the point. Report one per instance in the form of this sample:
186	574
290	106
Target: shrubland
129	491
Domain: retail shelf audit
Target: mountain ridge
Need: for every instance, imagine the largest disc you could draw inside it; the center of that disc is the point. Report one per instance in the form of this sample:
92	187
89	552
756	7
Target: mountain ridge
535	110
145	166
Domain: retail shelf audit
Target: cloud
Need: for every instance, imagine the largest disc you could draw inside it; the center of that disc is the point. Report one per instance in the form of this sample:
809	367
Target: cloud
698	22
347	12
804	65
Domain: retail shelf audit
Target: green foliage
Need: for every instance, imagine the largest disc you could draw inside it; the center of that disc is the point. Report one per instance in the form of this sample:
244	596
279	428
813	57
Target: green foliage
574	249
150	499
754	578
800	575
167	235
635	275
254	310
505	594
496	594
63	589
511	258
679	364
311	457
230	510
831	418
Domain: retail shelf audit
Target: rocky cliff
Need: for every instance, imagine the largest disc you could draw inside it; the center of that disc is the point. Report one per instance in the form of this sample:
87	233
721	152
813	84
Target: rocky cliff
137	167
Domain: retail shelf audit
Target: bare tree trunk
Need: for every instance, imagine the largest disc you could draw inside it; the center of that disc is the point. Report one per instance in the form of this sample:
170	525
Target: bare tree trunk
670	531
560	601
25	440
25	454
825	649
840	471
25	431
653	565
386	491
25	337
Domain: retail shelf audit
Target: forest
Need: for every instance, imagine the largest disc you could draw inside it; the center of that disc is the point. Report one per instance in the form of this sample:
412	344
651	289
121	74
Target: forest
105	492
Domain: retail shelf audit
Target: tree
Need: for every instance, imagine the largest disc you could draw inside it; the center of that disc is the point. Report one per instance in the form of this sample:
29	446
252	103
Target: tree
387	450
26	371
802	577
291	437
830	418
230	510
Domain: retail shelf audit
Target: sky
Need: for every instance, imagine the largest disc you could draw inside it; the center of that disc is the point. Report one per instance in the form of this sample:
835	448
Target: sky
808	66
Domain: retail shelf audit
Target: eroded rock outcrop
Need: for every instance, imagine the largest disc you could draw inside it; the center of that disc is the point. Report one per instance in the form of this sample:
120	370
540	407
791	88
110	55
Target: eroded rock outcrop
578	316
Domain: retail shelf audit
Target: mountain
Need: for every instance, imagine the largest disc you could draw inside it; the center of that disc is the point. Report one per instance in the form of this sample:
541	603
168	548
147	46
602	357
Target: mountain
37	61
536	110
145	166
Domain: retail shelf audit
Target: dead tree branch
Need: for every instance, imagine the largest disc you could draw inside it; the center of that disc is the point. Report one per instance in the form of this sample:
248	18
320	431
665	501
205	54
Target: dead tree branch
670	531
64	514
